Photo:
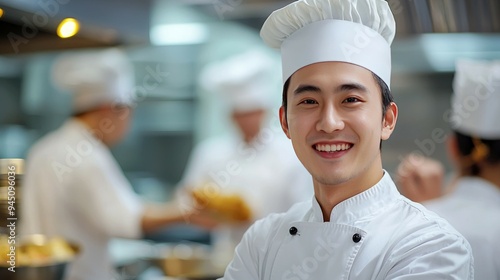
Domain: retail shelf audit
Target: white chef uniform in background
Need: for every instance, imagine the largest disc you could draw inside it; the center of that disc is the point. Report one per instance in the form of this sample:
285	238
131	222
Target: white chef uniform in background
376	234
473	208
263	170
73	186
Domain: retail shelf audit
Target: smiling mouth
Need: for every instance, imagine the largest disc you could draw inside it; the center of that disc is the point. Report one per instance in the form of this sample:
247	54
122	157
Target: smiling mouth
332	148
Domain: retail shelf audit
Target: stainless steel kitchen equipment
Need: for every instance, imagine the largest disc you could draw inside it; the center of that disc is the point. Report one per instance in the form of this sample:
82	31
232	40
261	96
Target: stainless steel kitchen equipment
11	173
43	258
188	261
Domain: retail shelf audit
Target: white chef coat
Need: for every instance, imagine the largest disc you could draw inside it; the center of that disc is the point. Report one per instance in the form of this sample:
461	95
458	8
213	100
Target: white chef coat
74	188
474	210
377	234
266	173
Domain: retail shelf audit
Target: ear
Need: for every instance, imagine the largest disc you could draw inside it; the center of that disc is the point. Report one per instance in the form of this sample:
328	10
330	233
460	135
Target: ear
284	121
389	121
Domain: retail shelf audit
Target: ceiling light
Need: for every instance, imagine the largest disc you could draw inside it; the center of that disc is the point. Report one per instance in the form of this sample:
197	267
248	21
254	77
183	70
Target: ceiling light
179	34
68	28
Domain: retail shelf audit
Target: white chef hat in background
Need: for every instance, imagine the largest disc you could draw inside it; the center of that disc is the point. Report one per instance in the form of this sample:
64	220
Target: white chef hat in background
95	78
245	81
354	31
476	98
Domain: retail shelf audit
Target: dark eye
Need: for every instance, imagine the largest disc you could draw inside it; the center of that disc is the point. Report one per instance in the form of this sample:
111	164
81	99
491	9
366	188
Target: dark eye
308	102
351	100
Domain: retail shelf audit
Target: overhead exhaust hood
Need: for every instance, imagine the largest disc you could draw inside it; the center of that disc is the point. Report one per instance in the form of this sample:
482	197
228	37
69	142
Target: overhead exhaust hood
31	26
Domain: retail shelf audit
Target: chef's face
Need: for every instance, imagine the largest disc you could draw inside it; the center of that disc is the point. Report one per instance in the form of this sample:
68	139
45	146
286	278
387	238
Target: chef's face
335	121
249	123
117	120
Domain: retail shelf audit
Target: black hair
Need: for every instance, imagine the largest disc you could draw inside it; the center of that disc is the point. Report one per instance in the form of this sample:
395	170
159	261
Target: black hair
466	146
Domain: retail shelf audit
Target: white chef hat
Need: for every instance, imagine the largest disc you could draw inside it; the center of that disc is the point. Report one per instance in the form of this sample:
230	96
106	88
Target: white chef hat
244	80
476	99
354	31
95	78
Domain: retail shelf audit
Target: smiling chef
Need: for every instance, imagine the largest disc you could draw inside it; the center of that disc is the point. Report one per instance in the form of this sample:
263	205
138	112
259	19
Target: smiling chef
337	108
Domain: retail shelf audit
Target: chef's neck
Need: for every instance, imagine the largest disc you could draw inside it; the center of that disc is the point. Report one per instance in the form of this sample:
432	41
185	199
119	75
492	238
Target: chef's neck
489	172
249	139
329	196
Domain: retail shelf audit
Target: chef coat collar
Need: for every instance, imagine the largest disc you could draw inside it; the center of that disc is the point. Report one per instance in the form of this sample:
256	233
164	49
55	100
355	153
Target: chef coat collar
361	205
478	187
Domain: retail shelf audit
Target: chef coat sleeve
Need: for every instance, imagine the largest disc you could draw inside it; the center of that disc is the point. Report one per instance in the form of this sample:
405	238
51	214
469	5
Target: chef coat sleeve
433	254
105	200
249	257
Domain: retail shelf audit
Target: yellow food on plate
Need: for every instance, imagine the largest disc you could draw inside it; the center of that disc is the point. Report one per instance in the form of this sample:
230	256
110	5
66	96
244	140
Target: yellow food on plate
226	206
36	251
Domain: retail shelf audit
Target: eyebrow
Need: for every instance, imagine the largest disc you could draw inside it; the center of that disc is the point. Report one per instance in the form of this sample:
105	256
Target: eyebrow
306	88
342	88
352	86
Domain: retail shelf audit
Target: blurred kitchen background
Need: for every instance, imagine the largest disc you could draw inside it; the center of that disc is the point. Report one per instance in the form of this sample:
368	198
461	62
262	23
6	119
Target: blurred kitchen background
171	41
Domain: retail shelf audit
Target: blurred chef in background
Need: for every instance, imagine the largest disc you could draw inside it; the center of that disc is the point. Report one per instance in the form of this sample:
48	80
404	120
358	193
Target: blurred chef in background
472	202
73	186
257	163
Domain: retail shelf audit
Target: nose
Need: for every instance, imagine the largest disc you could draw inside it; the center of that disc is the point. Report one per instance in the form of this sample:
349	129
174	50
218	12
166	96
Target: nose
329	120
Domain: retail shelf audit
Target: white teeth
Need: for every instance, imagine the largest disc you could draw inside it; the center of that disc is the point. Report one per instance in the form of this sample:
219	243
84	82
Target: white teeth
333	148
